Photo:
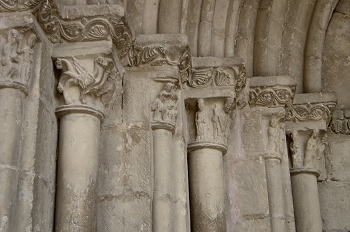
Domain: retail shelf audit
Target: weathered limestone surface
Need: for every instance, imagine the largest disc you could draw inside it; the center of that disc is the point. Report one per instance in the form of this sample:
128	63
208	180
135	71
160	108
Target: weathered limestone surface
136	115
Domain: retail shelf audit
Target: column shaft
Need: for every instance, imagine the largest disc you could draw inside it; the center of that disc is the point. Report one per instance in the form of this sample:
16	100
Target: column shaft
11	111
162	212
306	202
207	196
79	138
275	194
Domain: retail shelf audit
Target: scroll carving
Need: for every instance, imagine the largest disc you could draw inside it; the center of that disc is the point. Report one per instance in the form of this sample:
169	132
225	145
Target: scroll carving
271	96
76	76
17	55
18	5
165	106
309	111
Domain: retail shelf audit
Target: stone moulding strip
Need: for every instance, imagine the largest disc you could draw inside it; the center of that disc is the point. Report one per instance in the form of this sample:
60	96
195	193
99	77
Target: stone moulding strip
163	125
14	85
201	145
79	109
296	171
18	5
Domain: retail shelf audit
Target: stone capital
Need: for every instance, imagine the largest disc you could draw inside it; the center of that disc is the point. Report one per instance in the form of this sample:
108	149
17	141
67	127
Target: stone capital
17	57
83	88
271	92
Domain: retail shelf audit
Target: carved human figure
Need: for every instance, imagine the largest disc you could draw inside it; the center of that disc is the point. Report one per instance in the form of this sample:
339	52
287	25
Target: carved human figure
201	121
216	123
27	57
273	136
10	59
296	152
311	150
165	105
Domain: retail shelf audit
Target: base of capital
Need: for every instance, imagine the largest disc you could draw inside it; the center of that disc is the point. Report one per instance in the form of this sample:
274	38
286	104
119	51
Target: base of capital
296	171
202	145
163	125
14	85
79	109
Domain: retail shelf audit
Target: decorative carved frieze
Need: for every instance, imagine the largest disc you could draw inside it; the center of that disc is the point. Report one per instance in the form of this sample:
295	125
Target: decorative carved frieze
310	111
18	5
272	96
16	59
84	87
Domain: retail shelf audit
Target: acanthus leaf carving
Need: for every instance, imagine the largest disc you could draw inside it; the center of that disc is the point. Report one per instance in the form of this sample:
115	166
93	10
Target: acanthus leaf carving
76	75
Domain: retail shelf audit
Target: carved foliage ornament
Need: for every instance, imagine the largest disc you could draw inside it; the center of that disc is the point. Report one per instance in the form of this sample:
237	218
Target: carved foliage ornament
75	75
17	55
310	111
18	5
271	96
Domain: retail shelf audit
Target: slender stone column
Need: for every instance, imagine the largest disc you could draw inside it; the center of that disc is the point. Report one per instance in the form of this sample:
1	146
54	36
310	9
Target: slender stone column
162	211
16	68
11	112
273	159
306	200
207	192
207	195
79	139
163	126
307	121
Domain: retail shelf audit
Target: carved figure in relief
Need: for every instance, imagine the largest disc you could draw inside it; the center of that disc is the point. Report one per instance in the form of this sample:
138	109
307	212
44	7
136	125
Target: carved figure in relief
273	136
201	121
312	150
165	105
10	59
27	58
296	152
216	123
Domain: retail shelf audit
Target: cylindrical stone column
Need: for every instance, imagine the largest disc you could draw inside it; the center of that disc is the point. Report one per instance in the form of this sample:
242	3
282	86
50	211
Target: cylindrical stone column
207	195
162	212
275	192
306	201
12	95
76	195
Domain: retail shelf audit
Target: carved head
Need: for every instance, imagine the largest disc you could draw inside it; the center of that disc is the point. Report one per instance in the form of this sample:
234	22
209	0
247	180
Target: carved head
58	63
13	36
315	133
168	87
31	40
229	104
200	103
274	122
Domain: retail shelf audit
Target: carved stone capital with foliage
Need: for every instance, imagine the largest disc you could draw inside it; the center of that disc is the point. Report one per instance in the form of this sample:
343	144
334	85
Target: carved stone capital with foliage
81	86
